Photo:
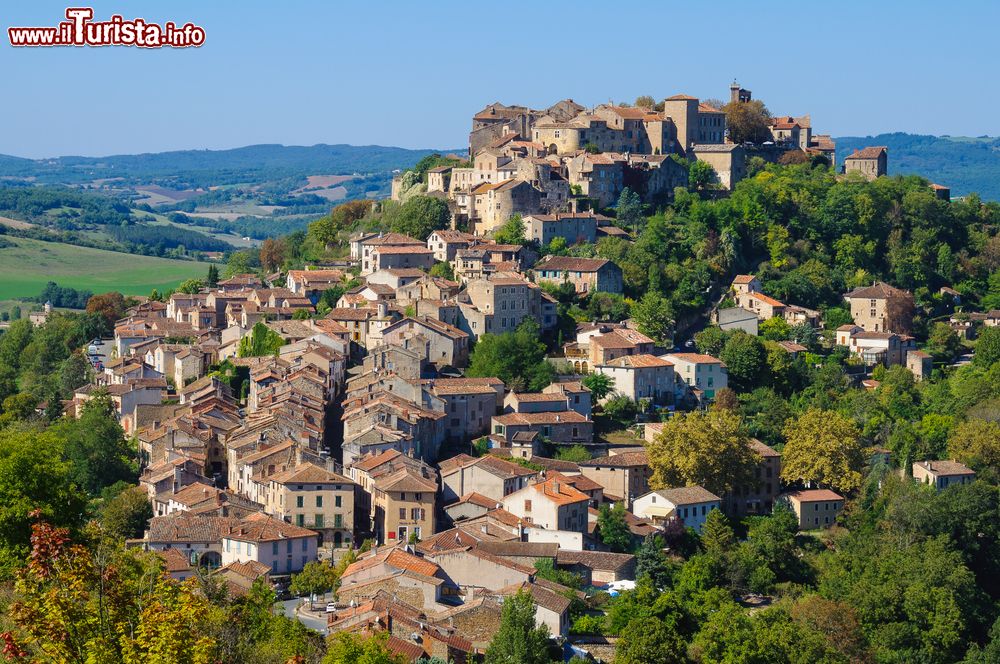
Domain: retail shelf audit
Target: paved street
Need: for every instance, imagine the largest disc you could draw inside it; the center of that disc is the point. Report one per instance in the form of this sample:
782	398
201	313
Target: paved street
312	621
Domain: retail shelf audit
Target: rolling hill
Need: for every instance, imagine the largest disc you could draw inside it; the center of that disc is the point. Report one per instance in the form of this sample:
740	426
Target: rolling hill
965	164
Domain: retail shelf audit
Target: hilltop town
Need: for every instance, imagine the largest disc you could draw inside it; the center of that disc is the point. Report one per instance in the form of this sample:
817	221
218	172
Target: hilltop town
617	341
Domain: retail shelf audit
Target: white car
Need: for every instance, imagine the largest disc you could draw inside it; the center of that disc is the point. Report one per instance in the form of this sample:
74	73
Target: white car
330	607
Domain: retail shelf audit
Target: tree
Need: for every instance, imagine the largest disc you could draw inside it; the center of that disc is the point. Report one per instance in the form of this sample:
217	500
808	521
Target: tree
716	534
96	447
34	479
652	562
511	232
747	121
443	270
517	358
701	176
191	286
518	640
775	329
420	216
943	343
653	316
242	262
746	360
649	640
316	578
988	347
349	648
711	340
629	210
272	254
574	453
73	373
125	513
261	341
600	385
612	528
110	306
705	448
645	101
823	447
212	280
976	443
74	605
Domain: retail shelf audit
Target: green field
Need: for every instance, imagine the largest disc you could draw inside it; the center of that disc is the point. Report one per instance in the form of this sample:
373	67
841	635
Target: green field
25	269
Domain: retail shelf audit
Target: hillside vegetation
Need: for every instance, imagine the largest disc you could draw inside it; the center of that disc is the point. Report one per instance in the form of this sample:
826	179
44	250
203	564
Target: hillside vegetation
966	165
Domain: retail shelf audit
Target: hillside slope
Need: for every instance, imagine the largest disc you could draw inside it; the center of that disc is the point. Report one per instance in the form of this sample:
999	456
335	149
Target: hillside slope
965	164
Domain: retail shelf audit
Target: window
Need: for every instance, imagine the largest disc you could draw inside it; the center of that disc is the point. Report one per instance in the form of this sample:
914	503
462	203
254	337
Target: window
299	501
402	513
414	513
338	521
336	501
289	547
274	548
319	501
527	506
305	544
300	519
416	496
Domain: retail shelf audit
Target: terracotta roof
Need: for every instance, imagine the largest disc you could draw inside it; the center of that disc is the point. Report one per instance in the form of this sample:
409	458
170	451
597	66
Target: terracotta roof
180	527
696	358
559	492
405	479
534	397
641	361
814	495
410	652
877	291
477	499
404	249
571	264
308	473
543	597
371	462
501	468
250	570
561	417
261	527
625	460
688	495
682	98
455	462
871	152
517	548
600	560
174	560
762	449
946	468
767	299
792	347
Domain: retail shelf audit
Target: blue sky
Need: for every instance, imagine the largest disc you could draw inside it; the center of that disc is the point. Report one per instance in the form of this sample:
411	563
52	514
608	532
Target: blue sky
412	73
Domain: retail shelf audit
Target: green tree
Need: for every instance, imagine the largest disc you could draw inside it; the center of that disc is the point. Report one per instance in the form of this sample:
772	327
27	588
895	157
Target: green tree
420	216
517	358
701	176
316	578
652	562
73	373
716	534
212	279
348	648
711	340
649	640
191	286
574	453
261	341
620	410
823	447
600	385
976	443
443	270
96	447
988	347
943	343
518	640
776	329
629	210
612	528
125	511
34	478
746	360
511	232
705	448
653	316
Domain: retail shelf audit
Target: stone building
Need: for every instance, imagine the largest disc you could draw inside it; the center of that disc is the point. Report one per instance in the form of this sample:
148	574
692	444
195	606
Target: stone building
881	308
871	162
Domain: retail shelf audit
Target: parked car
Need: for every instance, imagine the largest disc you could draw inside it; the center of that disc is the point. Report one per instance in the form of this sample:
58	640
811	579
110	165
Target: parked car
331	607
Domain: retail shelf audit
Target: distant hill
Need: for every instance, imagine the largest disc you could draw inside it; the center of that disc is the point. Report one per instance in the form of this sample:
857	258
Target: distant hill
197	168
965	164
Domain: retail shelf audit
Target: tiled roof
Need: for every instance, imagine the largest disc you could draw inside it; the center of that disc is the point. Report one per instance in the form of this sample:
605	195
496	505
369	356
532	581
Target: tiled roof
688	495
877	291
945	468
517	548
261	527
179	527
562	417
476	499
404	249
695	358
600	560
405	479
814	495
871	152
625	460
641	361
501	468
310	473
571	264
174	560
560	492
767	299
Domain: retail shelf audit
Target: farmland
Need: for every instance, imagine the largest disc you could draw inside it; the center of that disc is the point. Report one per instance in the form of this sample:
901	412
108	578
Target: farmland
26	267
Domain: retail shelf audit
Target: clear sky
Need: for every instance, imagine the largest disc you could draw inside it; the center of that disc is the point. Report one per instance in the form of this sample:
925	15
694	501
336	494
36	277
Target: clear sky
412	73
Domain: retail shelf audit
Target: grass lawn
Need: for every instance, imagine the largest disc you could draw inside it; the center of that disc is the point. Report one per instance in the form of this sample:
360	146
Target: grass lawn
25	269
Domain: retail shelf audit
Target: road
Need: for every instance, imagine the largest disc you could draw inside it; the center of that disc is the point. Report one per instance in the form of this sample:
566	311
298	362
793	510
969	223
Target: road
311	621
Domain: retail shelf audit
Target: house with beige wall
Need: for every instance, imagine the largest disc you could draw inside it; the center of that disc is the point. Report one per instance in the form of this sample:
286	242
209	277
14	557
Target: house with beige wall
313	497
815	508
552	504
488	476
881	308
